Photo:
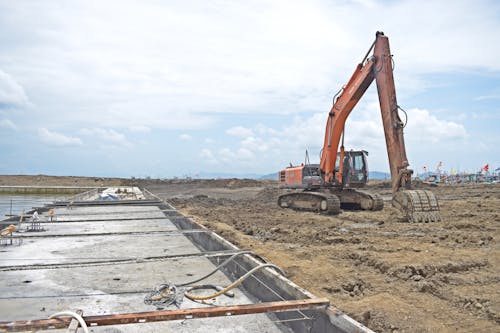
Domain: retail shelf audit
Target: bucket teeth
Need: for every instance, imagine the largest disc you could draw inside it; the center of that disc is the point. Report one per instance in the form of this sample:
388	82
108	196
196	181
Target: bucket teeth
418	205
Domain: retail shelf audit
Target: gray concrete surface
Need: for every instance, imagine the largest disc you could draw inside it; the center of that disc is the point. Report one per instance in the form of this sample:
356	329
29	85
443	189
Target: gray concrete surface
72	265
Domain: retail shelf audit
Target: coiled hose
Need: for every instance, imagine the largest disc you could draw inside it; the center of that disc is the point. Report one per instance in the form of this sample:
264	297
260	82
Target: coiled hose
169	293
232	285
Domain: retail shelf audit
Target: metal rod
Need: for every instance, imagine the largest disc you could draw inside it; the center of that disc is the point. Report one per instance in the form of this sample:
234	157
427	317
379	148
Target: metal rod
117	261
154	316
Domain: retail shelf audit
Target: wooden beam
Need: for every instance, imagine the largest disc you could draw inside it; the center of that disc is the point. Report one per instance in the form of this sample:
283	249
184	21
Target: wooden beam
153	316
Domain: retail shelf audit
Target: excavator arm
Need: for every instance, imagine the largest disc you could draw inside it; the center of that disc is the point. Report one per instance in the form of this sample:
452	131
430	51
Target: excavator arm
352	92
417	205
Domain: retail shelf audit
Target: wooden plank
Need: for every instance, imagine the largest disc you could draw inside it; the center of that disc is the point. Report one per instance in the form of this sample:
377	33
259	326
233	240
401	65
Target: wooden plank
154	316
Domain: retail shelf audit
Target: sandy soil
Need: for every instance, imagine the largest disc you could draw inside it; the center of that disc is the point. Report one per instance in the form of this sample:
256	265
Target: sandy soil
390	275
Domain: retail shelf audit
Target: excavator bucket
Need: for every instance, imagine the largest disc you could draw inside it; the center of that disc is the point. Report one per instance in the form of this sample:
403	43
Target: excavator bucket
417	205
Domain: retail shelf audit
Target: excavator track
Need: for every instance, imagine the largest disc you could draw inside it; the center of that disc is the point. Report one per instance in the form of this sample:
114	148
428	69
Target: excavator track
378	202
359	199
371	201
418	205
324	203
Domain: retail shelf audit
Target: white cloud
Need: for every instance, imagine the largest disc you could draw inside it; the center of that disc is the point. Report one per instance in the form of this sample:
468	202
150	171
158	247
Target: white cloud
208	156
106	135
306	132
427	128
255	144
185	137
258	57
57	139
244	154
226	155
12	94
239	132
6	123
363	131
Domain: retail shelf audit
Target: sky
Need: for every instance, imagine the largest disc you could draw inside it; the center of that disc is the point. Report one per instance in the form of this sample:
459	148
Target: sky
180	88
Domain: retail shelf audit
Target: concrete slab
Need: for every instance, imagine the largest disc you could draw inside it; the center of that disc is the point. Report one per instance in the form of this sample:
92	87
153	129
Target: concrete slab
97	235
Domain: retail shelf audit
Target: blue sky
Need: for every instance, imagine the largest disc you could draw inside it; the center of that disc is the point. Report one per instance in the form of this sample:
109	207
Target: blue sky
173	88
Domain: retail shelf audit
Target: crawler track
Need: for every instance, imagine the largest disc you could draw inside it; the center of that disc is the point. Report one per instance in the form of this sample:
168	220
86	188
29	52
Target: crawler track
324	203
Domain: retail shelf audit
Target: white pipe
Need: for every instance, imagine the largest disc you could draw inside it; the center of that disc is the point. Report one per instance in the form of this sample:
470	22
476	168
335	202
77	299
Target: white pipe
75	315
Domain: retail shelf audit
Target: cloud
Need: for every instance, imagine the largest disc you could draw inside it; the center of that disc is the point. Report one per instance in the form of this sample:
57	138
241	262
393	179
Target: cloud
306	132
6	123
256	57
427	128
208	156
255	144
185	137
57	139
239	132
201	68
363	131
12	94
107	136
245	154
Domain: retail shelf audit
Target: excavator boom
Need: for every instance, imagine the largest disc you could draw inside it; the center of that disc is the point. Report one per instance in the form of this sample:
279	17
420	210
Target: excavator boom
416	205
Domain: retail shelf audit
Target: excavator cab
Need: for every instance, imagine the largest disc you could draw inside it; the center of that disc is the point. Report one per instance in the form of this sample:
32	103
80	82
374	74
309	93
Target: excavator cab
355	168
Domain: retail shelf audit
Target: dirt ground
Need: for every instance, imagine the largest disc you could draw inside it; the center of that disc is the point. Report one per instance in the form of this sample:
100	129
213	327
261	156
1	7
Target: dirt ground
390	275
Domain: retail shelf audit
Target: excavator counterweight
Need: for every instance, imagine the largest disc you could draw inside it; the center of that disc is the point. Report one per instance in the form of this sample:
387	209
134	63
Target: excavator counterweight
332	184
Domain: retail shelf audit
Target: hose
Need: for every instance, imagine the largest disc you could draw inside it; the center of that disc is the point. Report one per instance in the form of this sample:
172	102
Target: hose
406	115
169	293
75	315
232	285
211	286
227	261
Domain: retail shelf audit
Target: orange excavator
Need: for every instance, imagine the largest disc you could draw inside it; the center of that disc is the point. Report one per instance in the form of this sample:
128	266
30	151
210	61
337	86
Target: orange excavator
338	180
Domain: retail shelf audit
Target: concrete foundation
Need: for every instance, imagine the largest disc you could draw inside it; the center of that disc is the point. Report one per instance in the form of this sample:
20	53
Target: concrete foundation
103	259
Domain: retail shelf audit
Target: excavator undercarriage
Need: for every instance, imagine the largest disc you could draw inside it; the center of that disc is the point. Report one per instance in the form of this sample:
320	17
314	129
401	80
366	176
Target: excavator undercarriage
331	201
416	205
320	202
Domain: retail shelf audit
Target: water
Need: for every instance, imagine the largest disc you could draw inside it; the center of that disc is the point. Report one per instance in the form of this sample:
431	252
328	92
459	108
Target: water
15	204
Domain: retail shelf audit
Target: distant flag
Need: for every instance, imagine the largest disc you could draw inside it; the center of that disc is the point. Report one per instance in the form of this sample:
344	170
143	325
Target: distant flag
486	168
425	168
453	171
440	164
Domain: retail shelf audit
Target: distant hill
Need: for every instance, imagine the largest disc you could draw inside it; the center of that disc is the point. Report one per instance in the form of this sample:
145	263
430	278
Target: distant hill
273	176
378	175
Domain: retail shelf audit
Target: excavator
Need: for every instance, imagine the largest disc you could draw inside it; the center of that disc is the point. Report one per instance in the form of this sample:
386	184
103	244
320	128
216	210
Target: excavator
337	181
